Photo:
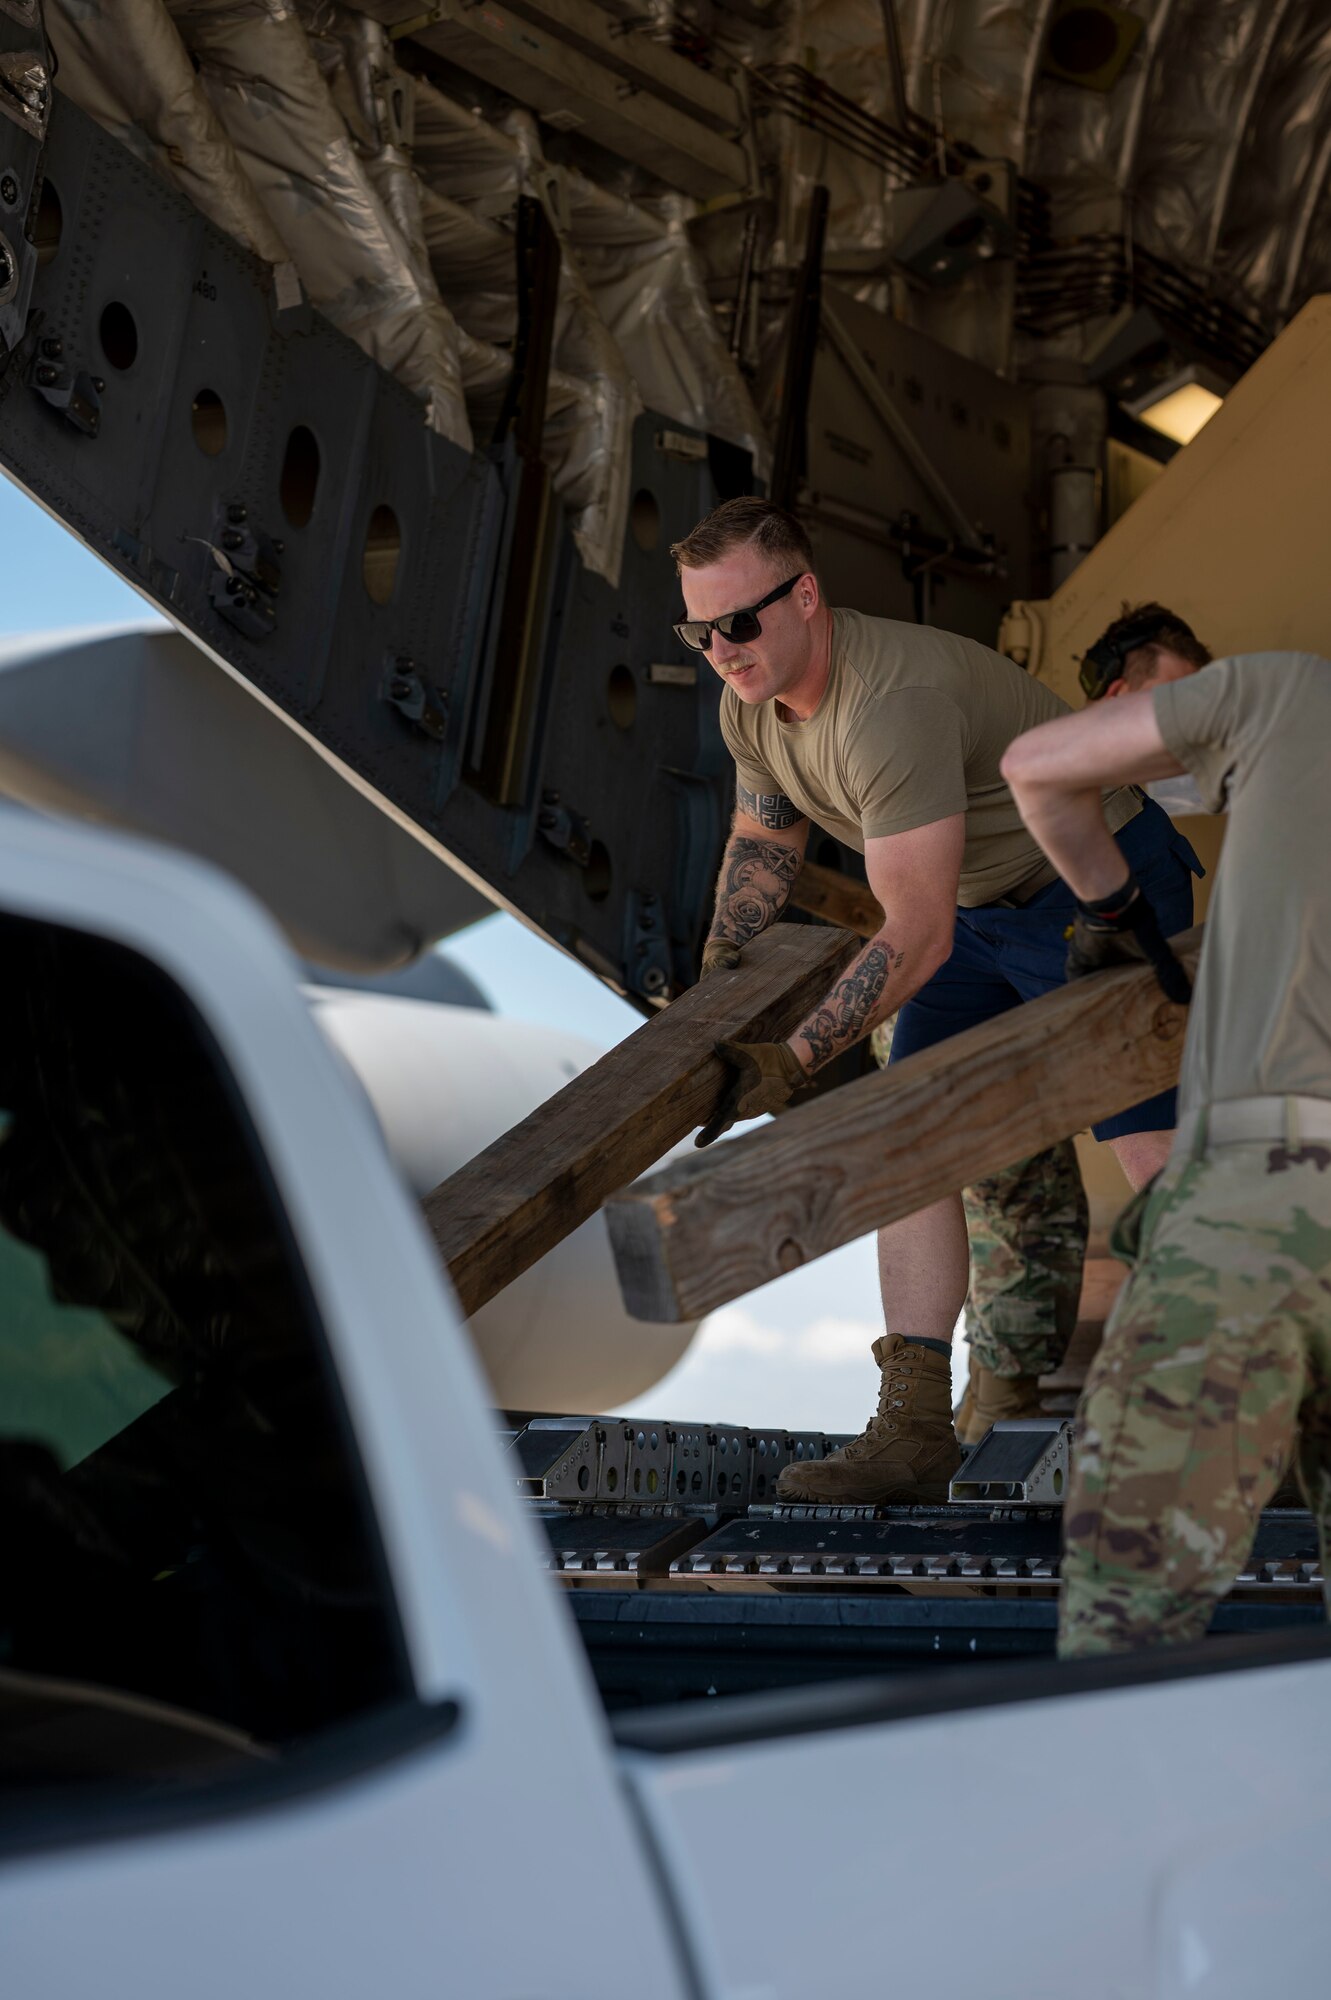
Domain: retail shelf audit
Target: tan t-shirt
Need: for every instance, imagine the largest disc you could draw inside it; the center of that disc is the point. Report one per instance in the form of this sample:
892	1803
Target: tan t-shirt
1254	732
910	729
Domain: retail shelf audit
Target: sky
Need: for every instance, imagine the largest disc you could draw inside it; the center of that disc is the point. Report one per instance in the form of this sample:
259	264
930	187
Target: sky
795	1352
51	581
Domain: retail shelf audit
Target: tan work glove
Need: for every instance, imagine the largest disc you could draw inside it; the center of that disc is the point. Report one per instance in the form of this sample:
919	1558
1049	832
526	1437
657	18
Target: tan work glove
718	955
766	1074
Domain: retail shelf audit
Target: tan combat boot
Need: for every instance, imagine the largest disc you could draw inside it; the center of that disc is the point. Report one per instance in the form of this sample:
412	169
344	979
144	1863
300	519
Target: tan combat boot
909	1451
964	1414
992	1399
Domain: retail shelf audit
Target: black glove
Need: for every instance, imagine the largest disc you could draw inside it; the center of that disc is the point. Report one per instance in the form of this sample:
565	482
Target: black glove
765	1074
1122	930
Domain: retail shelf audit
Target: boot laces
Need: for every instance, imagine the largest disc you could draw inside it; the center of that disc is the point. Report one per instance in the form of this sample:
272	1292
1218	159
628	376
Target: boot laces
892	1397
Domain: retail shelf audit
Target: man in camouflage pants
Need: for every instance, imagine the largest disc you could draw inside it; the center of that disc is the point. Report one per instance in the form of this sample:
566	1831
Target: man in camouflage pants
1217	1358
1027	1227
1028	1224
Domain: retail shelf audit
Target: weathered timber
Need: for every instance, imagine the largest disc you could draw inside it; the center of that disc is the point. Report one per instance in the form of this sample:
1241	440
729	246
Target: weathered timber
507	1207
838	899
709	1229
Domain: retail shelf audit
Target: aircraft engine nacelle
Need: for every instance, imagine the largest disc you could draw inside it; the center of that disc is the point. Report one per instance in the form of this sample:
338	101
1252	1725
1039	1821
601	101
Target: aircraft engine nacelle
444	1083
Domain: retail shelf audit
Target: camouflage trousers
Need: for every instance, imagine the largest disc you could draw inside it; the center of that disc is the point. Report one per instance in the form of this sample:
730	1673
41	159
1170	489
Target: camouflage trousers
1027	1227
1216	1359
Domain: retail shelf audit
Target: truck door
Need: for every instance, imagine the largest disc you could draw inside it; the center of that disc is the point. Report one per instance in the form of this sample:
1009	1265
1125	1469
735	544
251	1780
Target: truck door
285	1706
1144	1828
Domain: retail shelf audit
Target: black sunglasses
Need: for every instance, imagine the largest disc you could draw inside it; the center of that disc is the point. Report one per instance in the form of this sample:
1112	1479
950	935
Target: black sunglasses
737	626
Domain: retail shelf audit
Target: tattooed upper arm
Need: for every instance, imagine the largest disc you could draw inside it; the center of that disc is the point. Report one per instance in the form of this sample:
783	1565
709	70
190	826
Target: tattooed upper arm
771	809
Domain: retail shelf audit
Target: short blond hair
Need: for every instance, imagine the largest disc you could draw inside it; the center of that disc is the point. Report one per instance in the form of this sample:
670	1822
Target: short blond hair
748	522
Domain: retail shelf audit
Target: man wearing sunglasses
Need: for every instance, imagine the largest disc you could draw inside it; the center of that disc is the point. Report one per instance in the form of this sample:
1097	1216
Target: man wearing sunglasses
889	736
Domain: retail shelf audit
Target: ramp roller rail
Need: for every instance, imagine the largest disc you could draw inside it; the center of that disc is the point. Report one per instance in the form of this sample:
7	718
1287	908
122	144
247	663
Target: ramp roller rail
656	1507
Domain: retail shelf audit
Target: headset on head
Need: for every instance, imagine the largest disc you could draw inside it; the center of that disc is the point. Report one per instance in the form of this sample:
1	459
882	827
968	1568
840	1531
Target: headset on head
1103	663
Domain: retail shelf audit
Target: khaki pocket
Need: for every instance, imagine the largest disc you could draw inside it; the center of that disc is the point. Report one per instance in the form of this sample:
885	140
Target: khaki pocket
1129	1227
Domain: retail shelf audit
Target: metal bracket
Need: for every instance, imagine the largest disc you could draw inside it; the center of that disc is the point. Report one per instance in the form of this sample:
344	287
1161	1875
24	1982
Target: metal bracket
247	573
564	829
1021	1463
426	706
249	549
558	1460
683	445
77	396
588	1460
241	602
414	23
922	554
1023	633
25	89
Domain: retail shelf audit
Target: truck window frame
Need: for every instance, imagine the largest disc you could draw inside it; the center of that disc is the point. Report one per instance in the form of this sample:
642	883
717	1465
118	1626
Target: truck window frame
42	1817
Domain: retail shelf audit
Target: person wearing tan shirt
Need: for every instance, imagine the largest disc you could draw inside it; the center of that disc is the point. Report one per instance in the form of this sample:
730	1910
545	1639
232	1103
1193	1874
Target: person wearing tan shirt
1216	1361
890	736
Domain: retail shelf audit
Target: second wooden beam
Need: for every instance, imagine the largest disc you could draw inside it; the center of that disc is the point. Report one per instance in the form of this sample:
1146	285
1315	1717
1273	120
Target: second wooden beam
708	1229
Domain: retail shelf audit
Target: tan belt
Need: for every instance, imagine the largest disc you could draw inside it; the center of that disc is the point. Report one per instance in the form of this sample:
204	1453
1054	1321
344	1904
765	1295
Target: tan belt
1254	1121
1025	892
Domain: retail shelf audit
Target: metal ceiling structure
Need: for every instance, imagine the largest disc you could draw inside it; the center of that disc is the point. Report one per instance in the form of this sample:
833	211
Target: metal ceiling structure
1207	146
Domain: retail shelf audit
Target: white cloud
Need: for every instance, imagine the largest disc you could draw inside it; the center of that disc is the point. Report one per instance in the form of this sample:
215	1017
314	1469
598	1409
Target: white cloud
837	1340
738	1330
735	1331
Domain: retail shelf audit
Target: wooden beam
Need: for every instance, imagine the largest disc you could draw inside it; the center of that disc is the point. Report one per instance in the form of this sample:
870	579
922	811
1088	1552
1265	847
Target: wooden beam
838	899
533	1186
708	1229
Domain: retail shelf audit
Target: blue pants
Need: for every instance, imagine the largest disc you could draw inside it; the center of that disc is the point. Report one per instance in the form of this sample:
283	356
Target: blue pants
1001	957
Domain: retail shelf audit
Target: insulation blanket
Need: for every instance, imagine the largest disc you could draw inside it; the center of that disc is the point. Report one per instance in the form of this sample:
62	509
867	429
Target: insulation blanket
258	68
473	175
123	62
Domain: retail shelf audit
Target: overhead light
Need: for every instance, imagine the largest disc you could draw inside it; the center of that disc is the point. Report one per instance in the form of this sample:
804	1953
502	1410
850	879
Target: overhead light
1181	414
1180	405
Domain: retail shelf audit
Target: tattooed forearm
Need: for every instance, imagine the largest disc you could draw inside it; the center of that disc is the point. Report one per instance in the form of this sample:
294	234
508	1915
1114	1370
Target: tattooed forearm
853	1005
771	809
756	880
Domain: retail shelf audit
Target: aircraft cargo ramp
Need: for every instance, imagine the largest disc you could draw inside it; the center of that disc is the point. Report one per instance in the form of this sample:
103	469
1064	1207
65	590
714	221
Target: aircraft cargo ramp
694	1585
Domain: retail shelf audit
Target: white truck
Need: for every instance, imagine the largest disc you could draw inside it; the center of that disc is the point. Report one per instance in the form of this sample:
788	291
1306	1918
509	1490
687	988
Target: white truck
289	1704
